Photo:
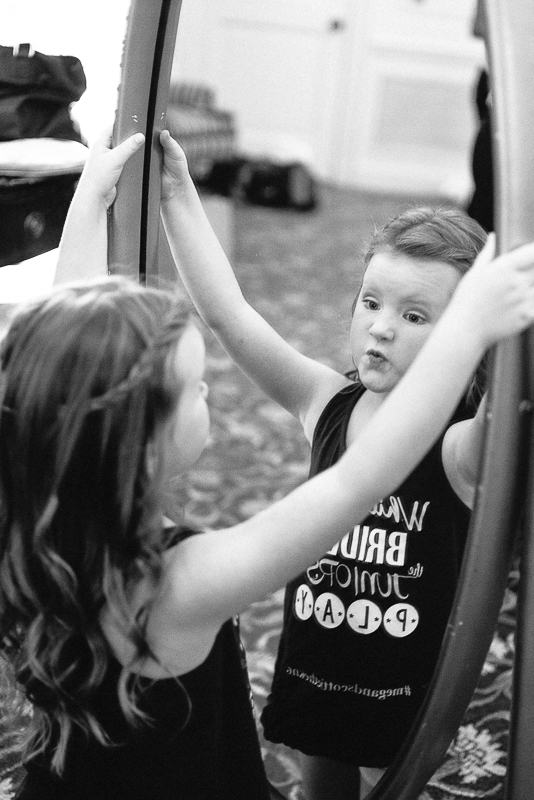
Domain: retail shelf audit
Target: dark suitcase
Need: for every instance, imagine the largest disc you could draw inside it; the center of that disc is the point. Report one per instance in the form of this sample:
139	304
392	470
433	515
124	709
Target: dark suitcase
32	215
41	154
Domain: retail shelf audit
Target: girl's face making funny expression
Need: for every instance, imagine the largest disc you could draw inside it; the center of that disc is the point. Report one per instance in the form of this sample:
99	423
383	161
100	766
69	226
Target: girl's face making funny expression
398	306
185	433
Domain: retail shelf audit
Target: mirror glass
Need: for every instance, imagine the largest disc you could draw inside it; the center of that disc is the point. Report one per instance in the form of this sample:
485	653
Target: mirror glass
385	121
329	86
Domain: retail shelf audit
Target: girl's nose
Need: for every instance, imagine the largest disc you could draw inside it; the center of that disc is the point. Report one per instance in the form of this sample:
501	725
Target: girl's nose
204	389
382	328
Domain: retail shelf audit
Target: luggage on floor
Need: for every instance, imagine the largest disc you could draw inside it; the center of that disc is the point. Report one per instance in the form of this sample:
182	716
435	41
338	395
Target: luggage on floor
37	181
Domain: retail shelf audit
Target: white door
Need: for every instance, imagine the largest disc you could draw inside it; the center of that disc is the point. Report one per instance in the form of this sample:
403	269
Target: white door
371	93
278	65
409	112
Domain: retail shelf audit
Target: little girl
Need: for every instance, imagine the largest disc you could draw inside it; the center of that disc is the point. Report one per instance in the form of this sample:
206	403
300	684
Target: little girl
363	624
117	623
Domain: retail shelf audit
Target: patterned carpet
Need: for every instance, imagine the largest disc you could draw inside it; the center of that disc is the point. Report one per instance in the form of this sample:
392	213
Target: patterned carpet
301	272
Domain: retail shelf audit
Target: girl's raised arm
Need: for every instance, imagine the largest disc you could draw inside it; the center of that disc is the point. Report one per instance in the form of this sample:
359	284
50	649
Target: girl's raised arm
220	573
83	249
291	379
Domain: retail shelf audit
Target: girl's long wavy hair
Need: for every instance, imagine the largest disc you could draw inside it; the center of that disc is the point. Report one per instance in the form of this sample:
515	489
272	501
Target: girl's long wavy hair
85	384
433	234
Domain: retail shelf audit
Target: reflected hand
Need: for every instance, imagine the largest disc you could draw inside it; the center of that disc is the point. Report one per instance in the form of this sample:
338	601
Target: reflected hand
175	173
497	294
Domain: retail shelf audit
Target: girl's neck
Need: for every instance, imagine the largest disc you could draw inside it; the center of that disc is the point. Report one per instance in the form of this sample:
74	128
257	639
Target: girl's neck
373	400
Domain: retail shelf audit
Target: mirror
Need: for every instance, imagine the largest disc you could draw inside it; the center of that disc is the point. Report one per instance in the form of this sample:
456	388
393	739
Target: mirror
288	264
268	452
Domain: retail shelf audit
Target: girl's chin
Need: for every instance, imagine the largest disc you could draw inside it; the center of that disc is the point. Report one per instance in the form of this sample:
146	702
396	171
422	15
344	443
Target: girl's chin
378	389
376	382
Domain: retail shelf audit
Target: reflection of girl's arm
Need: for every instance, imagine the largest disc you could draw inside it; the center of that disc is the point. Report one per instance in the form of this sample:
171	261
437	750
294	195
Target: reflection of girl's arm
462	444
462	447
283	373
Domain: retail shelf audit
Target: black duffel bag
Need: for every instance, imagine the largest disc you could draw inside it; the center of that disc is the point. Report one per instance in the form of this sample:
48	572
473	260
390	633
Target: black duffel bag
36	92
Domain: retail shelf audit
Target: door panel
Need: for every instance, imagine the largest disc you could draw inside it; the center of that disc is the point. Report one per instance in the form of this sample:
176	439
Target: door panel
410	117
278	66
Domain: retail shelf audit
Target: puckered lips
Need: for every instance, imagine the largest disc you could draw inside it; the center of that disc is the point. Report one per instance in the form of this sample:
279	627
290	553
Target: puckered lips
375	359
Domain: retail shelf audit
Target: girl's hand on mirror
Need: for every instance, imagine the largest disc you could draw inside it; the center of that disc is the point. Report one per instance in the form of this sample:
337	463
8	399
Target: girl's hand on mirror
105	164
495	298
175	173
83	251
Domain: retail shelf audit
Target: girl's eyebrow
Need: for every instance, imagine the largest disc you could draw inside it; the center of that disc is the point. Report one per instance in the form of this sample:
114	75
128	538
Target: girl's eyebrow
417	298
369	287
424	300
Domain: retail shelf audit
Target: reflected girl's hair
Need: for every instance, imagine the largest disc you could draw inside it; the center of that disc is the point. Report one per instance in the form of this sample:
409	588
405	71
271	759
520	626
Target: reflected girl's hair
435	234
85	384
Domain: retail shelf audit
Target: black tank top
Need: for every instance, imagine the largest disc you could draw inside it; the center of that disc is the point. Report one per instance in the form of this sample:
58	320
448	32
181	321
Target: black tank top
363	625
205	750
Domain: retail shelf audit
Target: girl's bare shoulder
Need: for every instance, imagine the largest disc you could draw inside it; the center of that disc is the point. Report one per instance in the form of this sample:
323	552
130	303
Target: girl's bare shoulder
177	648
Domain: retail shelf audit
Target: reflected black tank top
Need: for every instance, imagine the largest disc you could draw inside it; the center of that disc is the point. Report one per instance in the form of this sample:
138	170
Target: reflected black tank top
363	625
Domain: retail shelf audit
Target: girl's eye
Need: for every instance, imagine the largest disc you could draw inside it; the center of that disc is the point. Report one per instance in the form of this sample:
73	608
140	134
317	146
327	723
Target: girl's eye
371	304
417	319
